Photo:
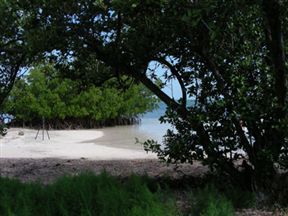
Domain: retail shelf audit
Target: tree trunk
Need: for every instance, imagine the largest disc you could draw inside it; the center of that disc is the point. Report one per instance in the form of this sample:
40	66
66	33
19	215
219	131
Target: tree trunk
275	42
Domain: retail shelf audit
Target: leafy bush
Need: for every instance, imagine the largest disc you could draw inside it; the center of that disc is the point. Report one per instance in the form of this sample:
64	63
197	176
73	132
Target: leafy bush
64	102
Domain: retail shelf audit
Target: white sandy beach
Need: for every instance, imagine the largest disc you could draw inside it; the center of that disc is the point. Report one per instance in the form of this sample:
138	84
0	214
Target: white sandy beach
70	144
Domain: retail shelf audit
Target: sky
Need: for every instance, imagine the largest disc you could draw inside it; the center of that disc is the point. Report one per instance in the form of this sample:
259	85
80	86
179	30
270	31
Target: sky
172	88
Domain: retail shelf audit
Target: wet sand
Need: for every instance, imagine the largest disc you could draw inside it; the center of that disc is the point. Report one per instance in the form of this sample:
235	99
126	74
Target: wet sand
123	137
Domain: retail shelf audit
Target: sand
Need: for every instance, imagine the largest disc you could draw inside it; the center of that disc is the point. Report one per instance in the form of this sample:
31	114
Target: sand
70	144
74	151
47	170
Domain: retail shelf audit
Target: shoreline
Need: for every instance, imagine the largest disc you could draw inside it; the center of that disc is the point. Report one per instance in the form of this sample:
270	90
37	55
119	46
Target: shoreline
71	152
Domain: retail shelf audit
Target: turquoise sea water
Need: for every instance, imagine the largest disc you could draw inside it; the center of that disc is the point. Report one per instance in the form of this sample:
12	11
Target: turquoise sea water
151	125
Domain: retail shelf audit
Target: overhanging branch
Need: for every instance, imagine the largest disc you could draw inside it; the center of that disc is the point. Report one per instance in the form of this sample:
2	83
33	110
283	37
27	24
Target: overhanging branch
178	77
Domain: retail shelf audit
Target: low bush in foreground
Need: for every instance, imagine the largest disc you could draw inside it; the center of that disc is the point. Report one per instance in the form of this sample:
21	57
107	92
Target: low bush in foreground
209	202
103	195
86	194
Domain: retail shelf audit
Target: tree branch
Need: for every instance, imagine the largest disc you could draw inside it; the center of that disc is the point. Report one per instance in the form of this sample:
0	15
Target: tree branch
178	77
203	135
155	89
10	84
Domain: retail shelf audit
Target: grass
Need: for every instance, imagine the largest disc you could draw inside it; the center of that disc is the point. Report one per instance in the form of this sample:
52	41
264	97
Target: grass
105	195
86	194
209	202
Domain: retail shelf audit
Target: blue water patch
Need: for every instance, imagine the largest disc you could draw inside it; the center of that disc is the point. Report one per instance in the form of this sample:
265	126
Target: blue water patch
160	111
151	125
156	113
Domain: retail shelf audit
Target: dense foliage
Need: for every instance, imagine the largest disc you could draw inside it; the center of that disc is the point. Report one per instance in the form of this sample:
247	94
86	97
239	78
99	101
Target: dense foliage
15	54
227	55
14	50
65	103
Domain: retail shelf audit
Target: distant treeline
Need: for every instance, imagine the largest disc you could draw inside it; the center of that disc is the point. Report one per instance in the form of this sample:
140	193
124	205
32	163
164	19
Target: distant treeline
65	103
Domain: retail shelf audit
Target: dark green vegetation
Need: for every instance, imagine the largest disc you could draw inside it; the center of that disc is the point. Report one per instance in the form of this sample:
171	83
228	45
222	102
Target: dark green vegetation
230	56
83	195
209	202
88	194
12	55
65	103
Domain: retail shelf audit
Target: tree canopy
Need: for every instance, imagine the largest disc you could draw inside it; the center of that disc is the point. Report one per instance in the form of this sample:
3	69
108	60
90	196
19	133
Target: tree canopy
15	54
14	50
230	56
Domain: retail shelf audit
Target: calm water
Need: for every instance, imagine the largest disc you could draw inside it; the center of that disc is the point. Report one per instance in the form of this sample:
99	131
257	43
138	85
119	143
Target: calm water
125	136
